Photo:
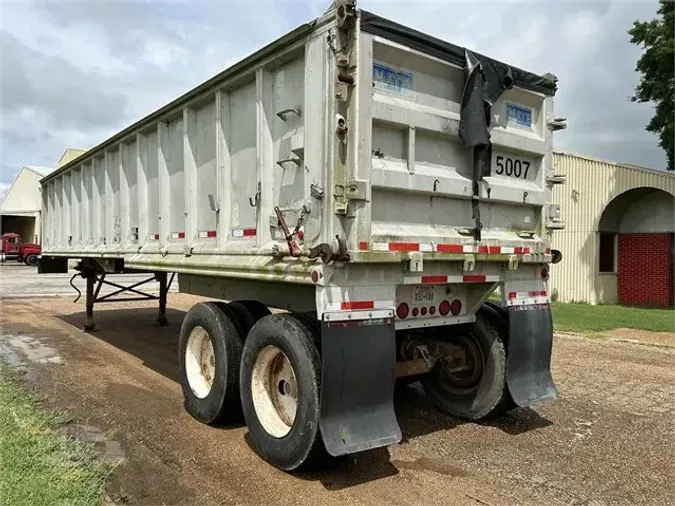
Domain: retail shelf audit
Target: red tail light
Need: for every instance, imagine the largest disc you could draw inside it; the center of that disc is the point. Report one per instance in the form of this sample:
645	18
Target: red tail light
415	311
456	307
432	310
423	311
402	310
444	308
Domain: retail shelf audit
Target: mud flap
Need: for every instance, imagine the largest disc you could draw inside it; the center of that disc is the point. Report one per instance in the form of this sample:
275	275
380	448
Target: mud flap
357	389
528	366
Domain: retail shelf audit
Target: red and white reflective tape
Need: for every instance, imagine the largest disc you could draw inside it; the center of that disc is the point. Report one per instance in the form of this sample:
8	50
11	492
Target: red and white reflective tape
153	237
445	248
177	235
527	298
244	232
359	305
442	279
206	234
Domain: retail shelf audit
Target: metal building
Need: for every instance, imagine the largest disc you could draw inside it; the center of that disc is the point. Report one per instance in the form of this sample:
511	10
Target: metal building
617	243
21	208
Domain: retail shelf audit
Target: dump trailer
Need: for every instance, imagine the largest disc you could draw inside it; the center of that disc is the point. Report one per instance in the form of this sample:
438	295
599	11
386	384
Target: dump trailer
373	203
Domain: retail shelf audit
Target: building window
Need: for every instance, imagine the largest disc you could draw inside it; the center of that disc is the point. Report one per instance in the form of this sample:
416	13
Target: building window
607	258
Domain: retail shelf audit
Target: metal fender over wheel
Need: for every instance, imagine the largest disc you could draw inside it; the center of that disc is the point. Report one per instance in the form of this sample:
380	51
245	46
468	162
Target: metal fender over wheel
209	353
477	389
280	387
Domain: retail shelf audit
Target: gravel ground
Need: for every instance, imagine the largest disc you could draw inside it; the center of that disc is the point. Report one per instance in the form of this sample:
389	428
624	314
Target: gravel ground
608	439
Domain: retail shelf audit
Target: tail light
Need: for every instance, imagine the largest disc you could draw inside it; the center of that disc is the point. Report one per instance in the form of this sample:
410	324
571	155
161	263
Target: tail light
444	308
456	307
423	311
432	310
544	272
415	311
402	310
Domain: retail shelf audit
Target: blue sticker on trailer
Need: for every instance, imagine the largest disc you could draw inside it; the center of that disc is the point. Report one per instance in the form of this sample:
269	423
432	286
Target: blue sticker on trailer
391	79
519	115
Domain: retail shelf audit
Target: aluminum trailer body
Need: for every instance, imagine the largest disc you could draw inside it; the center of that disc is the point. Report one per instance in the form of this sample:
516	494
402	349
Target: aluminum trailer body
377	183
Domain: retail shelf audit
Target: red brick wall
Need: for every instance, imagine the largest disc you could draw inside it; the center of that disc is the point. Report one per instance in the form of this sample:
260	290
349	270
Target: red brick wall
646	270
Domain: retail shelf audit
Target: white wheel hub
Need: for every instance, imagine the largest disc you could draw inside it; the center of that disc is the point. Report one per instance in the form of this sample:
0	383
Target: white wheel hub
274	391
200	362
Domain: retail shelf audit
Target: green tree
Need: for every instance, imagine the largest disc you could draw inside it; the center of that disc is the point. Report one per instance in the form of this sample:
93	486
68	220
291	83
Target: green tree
657	84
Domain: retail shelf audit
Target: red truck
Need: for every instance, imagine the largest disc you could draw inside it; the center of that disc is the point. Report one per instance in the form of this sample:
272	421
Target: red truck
24	252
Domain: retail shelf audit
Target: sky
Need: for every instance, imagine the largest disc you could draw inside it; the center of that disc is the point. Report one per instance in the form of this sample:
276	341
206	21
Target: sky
74	72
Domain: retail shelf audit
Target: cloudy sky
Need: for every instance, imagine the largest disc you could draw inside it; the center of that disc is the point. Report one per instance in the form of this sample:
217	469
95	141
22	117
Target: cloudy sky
73	72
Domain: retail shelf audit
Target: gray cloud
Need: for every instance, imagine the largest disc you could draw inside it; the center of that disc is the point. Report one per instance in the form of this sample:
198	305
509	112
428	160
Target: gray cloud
54	86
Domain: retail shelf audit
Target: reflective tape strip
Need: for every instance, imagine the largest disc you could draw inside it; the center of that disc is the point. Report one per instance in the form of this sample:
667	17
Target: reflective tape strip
177	235
359	305
243	232
526	295
153	237
484	249
443	279
206	234
528	301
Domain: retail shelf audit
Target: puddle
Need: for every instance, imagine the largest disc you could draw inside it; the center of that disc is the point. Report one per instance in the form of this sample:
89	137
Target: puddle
110	451
18	351
425	464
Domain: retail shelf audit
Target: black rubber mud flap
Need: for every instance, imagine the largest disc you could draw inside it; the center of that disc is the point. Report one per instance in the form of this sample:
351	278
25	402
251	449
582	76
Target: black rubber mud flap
357	389
528	365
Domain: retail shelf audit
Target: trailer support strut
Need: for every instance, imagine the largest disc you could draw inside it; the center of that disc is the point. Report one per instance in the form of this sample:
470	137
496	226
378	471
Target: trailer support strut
96	280
89	324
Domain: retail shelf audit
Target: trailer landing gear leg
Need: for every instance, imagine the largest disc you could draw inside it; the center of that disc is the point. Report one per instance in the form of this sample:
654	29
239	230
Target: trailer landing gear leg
89	324
163	289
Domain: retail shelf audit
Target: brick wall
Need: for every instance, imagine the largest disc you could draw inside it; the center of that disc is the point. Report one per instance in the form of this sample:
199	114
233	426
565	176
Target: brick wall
646	270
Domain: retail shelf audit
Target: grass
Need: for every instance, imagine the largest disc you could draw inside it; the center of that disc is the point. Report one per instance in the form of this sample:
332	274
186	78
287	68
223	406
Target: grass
39	466
586	318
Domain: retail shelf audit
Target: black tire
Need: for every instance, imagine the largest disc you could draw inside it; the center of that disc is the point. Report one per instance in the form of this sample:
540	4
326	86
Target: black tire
499	319
222	404
293	336
32	260
248	312
484	398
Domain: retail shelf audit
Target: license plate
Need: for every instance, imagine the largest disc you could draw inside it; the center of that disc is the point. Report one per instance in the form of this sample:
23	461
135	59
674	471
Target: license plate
512	166
423	294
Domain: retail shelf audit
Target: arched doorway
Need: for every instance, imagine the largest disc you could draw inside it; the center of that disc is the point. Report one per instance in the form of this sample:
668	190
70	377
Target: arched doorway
636	244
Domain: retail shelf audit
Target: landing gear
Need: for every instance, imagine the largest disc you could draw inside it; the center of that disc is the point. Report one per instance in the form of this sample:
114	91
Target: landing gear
96	278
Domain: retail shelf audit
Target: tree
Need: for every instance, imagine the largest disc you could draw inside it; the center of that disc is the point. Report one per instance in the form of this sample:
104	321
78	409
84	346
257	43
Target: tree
657	84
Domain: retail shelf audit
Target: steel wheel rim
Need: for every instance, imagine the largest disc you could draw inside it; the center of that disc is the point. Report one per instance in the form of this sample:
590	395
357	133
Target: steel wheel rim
274	391
464	384
200	362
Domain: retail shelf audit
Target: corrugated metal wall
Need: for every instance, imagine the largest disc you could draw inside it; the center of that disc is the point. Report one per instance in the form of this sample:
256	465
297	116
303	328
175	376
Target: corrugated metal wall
591	185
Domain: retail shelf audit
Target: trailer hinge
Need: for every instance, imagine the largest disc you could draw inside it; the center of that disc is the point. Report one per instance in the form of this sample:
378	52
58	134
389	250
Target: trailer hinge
355	189
358	189
556	179
557	124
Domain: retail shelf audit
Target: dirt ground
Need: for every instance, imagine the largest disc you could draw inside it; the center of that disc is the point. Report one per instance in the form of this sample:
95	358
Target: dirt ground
608	439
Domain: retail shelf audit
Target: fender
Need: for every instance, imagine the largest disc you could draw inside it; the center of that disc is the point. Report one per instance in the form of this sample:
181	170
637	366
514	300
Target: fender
527	332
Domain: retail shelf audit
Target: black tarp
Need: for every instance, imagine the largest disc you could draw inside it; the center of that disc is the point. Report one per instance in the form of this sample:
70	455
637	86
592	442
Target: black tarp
376	25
